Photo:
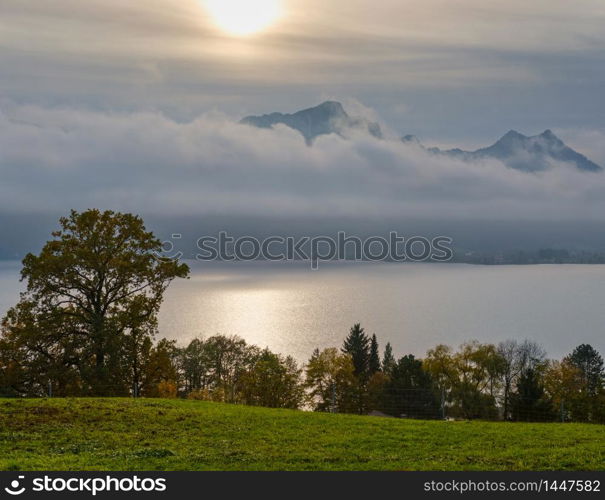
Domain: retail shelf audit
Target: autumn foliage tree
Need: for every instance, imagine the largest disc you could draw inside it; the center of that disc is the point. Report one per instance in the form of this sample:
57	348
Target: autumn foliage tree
273	381
89	309
331	381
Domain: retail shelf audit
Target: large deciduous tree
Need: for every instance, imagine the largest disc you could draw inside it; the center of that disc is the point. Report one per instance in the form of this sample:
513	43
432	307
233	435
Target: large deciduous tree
273	381
470	377
91	302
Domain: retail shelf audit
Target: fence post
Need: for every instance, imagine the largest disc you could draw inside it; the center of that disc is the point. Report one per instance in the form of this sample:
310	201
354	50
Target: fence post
333	398
50	389
562	412
443	403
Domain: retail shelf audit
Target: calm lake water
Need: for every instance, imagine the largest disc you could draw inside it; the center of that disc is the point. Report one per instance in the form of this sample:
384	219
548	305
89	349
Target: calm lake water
292	309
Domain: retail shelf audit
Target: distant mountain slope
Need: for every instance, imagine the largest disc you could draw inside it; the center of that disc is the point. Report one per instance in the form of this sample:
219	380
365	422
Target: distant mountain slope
327	118
518	151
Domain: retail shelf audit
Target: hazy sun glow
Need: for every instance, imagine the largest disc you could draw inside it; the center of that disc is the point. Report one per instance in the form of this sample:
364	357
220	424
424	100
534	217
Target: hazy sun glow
244	17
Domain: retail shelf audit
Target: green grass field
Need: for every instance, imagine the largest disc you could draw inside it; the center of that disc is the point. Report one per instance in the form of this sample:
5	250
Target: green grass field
124	434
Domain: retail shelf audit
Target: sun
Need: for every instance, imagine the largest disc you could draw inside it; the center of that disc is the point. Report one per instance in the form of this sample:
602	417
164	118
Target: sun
244	17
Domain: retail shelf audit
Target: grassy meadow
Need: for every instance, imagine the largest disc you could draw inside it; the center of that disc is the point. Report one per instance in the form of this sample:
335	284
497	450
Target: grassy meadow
150	434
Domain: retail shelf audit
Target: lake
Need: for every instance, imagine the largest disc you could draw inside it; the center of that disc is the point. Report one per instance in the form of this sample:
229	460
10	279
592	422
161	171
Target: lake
292	309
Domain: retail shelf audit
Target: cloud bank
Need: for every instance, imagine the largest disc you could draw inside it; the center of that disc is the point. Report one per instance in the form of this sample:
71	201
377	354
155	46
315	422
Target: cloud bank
55	159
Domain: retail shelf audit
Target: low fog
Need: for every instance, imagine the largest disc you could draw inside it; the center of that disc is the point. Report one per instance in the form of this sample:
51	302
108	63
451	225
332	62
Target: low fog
212	173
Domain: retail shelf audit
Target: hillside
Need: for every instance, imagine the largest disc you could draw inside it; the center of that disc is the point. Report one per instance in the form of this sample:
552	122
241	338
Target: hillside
122	434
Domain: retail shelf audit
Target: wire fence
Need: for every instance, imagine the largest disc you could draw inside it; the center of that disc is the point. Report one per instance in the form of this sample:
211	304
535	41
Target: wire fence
448	405
417	404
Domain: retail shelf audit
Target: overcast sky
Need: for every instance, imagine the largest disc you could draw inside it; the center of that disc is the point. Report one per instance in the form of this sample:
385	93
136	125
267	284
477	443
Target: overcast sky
134	106
453	72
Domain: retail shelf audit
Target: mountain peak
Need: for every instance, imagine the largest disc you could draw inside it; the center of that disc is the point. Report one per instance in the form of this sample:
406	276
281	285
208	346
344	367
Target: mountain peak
512	136
549	136
329	117
529	154
331	106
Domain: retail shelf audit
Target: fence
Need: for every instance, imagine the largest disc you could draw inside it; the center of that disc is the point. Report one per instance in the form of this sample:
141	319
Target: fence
445	405
402	403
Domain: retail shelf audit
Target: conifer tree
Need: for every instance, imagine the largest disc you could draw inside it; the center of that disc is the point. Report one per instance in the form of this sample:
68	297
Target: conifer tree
374	361
388	359
357	345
